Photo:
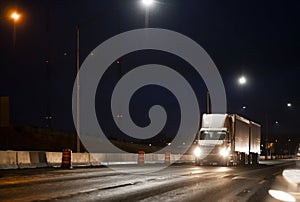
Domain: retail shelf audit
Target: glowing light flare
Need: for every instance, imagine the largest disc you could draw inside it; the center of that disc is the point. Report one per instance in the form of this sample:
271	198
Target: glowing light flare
282	196
15	16
292	176
147	3
242	80
197	151
48	117
224	152
119	116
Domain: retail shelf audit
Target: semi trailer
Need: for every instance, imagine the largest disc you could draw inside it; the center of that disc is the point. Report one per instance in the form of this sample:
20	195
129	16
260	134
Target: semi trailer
227	140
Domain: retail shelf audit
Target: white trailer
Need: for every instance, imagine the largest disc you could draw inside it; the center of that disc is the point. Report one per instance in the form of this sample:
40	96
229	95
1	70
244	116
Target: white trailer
227	140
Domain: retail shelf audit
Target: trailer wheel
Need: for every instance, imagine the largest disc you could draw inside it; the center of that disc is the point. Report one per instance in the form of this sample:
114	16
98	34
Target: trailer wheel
234	161
242	159
254	159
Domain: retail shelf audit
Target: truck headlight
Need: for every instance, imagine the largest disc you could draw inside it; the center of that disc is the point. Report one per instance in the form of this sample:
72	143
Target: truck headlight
197	151
224	152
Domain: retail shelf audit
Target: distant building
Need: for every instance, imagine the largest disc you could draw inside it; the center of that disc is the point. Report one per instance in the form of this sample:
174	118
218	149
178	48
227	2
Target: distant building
4	111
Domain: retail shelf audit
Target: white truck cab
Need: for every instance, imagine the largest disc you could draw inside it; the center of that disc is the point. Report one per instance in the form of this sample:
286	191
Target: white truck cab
227	140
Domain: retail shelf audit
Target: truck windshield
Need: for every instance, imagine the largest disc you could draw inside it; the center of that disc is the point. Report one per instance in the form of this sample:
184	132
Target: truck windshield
212	135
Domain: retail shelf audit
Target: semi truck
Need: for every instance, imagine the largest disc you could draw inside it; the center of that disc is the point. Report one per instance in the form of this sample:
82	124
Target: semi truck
227	140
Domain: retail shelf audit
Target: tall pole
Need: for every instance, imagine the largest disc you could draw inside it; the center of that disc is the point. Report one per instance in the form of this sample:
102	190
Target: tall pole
77	91
207	103
78	78
15	16
14	34
267	136
147	17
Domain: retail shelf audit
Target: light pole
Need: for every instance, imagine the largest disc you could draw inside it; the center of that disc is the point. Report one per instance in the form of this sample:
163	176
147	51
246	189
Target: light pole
101	14
15	16
147	4
208	111
77	91
242	81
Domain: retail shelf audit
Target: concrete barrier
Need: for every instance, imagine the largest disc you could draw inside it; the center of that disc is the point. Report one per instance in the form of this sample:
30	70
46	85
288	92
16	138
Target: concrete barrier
186	159
120	158
54	159
38	159
8	160
80	159
154	158
113	158
26	159
129	158
96	159
175	157
23	159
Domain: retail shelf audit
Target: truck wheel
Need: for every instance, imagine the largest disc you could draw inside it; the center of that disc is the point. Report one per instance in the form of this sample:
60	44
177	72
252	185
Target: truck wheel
197	162
224	163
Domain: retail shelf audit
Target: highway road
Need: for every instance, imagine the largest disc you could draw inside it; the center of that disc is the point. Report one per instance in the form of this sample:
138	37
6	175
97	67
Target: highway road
179	182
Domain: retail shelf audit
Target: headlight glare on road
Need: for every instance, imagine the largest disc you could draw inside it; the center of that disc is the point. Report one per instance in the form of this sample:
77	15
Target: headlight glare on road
292	176
197	151
281	195
224	152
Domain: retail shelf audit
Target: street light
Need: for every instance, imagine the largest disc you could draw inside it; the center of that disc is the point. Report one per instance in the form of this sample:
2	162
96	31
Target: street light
242	80
289	104
147	4
15	16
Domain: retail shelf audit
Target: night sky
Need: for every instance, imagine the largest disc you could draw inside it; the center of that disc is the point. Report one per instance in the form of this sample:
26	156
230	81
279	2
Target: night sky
257	39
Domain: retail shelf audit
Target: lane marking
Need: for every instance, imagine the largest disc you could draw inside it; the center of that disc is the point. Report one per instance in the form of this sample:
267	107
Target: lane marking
262	181
277	173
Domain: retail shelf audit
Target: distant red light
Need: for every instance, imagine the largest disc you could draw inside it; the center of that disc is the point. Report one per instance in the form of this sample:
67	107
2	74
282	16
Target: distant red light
48	117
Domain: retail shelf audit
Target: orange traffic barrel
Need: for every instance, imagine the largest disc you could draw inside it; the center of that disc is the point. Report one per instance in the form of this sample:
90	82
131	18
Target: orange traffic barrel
66	158
141	157
168	157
